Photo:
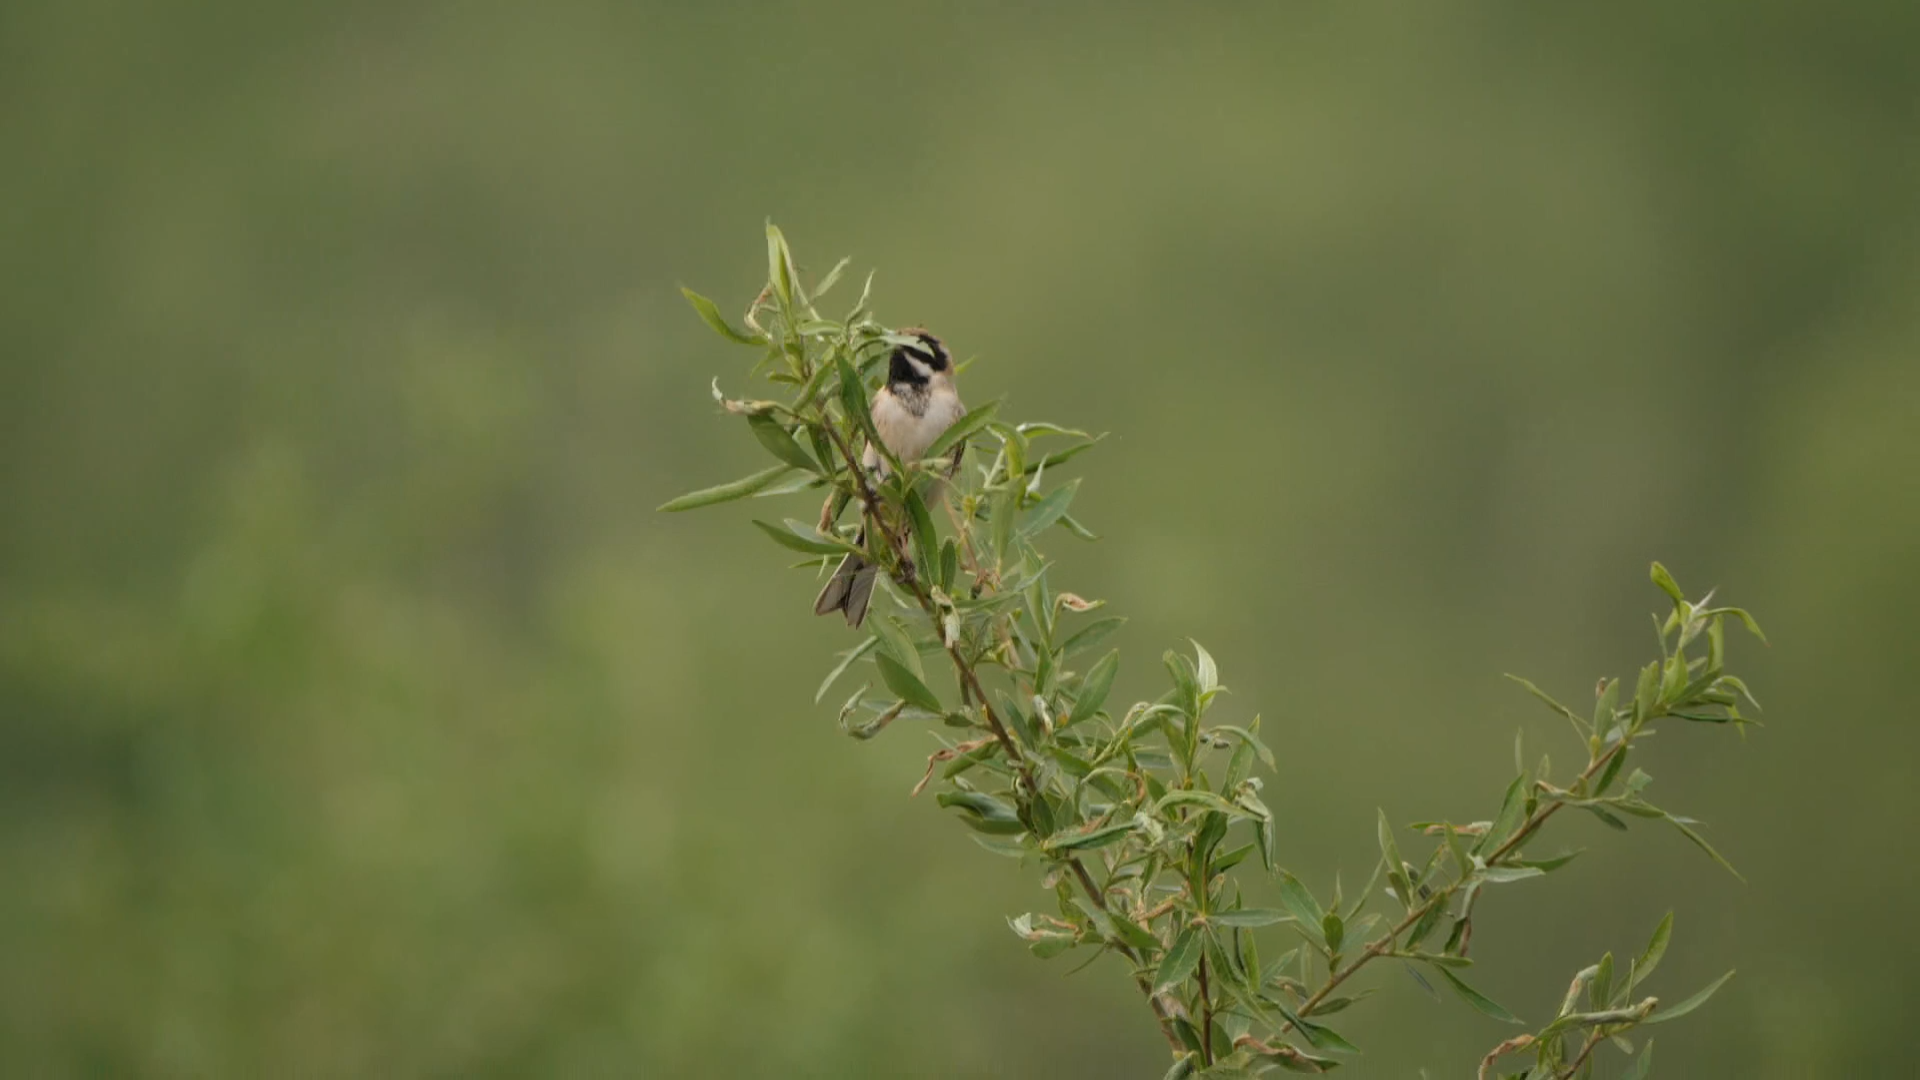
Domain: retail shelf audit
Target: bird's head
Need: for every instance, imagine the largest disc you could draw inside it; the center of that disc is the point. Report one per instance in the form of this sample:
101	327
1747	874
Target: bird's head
920	359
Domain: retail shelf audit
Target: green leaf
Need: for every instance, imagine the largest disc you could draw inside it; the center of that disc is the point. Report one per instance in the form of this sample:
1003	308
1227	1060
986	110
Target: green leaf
1182	1068
1248	917
1608	819
1642	1065
1666	583
1305	909
1206	672
710	314
1477	999
1548	866
832	277
1578	723
1603	982
1090	635
1701	842
1073	525
926	542
1005	505
738	489
1088	840
779	265
896	643
973	421
1656	948
1512	809
853	396
1603	709
1048	510
1501	874
983	812
1204	799
1183	956
1247	735
906	684
1676	1012
1334	930
1390	851
846	661
1612	770
949	564
1094	688
801	537
779	443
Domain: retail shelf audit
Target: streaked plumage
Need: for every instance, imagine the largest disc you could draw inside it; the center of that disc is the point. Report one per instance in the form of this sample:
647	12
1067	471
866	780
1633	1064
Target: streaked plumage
916	406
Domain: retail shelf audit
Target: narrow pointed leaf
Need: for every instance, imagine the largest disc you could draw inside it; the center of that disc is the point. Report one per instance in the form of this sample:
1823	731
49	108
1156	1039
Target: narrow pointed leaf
1248	917
801	538
1477	999
710	314
1667	584
973	421
1701	842
1692	1003
1656	948
846	661
1094	689
1183	956
738	489
1048	510
779	443
906	684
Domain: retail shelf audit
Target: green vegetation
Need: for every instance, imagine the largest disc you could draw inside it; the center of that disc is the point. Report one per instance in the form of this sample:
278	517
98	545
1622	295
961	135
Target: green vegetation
1144	821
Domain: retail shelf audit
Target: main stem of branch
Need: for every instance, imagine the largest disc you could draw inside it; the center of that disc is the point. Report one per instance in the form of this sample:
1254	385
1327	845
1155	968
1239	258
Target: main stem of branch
970	681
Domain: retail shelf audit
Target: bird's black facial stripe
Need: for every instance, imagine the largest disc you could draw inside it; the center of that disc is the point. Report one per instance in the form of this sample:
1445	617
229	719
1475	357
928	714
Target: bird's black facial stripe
901	370
934	355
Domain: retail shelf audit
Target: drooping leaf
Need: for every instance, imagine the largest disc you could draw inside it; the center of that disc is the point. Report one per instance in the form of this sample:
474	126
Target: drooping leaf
1249	736
983	812
710	314
1475	998
801	537
1088	840
1701	842
1579	724
779	443
738	489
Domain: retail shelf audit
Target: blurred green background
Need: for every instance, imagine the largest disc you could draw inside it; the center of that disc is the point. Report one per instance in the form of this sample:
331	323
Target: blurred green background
360	717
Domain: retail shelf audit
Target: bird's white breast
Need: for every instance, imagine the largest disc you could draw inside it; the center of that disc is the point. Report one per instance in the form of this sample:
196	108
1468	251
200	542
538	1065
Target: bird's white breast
907	435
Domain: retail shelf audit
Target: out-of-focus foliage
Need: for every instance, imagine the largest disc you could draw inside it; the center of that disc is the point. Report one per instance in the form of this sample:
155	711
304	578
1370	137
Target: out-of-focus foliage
358	714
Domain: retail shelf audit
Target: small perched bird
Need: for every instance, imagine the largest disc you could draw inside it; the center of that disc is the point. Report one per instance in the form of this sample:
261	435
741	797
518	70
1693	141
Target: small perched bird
916	406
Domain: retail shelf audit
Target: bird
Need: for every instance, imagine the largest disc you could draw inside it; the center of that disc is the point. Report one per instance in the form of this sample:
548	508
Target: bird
918	404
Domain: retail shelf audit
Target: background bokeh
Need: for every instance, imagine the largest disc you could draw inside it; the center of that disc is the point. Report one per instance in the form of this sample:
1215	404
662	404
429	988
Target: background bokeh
360	717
